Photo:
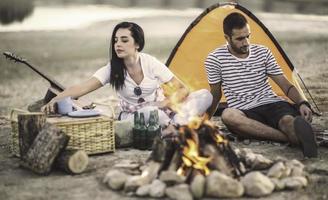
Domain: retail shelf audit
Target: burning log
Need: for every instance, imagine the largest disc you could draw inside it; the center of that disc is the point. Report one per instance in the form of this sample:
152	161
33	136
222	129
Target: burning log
218	162
175	162
163	150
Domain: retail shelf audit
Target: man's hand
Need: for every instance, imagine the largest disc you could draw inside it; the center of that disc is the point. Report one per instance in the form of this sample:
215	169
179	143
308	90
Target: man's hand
306	112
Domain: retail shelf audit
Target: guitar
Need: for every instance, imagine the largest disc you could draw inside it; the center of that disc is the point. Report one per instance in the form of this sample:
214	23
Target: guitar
55	87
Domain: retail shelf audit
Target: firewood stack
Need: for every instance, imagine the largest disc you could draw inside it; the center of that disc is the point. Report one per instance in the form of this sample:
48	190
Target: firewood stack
196	161
42	147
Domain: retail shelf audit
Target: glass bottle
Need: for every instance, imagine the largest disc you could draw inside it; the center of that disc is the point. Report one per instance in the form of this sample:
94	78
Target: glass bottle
143	133
136	130
151	130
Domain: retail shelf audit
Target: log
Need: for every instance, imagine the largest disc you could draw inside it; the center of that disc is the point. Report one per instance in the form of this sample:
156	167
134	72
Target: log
29	125
218	161
72	161
44	149
175	162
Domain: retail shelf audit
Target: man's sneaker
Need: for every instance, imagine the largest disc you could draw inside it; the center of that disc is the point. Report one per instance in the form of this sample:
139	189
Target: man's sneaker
304	133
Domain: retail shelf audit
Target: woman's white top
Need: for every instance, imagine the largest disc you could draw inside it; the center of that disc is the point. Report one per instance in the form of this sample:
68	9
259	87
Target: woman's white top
155	73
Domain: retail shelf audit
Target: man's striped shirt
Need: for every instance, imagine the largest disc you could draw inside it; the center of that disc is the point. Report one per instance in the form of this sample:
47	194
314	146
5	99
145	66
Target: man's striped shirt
244	81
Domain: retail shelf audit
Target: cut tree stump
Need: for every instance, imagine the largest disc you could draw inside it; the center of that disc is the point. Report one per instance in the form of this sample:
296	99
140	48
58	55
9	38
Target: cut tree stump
44	149
29	125
72	161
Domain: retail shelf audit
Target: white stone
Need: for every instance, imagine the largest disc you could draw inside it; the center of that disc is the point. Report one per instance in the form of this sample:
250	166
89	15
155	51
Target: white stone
256	184
276	170
179	192
286	172
171	177
143	190
157	189
260	162
221	185
115	179
297	168
133	183
295	182
297	171
278	184
197	186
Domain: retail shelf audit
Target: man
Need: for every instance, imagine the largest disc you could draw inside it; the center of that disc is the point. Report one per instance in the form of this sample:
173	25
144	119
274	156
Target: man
254	110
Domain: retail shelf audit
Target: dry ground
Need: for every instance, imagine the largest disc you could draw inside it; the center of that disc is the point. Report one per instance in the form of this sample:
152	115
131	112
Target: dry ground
72	56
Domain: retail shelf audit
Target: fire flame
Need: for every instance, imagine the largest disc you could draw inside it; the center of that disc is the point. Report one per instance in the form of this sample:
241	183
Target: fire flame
190	152
192	159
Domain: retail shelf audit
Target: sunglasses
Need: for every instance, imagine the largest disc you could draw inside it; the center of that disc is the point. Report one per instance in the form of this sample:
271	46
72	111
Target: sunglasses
137	91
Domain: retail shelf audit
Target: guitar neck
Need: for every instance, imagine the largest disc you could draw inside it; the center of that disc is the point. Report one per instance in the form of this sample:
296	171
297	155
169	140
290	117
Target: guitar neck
52	82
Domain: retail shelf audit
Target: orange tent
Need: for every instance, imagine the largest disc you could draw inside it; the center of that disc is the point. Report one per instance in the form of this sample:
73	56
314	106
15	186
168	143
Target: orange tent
205	34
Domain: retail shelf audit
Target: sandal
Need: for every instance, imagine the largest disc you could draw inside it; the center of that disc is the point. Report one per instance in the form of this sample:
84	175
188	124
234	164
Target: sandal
304	133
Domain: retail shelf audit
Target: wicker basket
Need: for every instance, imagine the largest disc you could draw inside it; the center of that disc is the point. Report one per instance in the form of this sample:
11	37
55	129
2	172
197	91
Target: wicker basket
94	135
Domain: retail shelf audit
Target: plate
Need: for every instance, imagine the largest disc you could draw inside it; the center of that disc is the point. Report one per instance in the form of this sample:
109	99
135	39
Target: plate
84	113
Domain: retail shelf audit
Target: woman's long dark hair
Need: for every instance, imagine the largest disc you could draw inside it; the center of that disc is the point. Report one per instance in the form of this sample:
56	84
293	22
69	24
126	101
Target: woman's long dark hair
118	68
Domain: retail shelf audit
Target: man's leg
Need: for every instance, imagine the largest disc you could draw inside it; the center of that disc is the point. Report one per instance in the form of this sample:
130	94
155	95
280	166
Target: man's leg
283	116
195	104
286	125
239	123
299	133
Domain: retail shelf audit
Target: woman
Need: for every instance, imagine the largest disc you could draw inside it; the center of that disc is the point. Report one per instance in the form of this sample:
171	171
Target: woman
136	77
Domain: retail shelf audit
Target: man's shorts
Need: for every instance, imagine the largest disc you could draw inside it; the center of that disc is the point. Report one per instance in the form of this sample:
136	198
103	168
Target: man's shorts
270	114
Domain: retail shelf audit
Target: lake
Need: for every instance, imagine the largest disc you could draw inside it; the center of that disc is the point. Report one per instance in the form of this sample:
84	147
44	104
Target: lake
73	17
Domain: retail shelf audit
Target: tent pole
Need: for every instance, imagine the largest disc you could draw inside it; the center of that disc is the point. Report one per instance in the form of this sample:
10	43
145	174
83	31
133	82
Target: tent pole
308	91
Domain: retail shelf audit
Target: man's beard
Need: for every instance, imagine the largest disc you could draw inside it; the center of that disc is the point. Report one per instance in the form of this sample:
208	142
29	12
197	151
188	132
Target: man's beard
241	50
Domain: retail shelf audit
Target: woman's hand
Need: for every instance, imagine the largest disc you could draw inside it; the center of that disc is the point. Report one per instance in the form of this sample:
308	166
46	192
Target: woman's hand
74	92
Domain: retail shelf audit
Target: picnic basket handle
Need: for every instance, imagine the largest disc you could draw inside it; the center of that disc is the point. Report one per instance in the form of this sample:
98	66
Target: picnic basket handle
16	111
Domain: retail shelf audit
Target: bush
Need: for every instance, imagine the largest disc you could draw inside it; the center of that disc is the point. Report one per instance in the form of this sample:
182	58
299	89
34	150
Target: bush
15	10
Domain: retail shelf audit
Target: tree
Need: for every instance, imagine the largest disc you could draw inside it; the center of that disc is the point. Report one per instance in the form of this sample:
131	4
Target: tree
15	10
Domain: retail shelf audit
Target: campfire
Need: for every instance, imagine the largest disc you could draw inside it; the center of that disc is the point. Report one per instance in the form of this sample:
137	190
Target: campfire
198	149
196	161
